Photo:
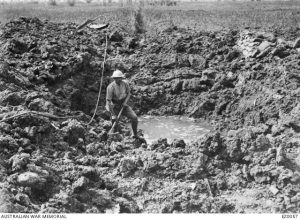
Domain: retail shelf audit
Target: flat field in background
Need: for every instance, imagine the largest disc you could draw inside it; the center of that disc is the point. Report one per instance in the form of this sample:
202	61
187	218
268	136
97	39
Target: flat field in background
200	15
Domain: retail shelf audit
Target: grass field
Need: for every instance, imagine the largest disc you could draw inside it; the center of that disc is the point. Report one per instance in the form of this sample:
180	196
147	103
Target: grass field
199	15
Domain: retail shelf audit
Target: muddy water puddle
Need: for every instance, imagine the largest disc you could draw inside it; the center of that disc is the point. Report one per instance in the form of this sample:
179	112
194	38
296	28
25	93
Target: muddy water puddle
172	127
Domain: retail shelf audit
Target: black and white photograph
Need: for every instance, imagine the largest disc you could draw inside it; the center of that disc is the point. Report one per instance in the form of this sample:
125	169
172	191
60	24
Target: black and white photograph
111	107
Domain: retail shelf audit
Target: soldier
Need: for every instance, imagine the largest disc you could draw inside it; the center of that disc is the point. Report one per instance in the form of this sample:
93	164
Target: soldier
117	92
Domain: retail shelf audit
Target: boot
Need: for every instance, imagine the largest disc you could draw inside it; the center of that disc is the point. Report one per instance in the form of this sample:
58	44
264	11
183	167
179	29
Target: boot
134	126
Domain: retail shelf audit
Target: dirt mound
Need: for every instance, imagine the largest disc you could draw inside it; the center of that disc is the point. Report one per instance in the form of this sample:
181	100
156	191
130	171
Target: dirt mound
51	160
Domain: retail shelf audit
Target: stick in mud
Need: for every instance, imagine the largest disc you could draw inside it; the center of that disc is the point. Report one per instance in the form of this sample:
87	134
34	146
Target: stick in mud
208	187
11	115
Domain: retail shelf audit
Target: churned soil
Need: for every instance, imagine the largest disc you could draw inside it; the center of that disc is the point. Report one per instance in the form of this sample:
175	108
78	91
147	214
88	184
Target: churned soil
245	83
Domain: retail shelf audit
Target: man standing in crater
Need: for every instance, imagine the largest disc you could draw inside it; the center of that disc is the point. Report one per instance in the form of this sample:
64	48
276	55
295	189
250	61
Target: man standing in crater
116	94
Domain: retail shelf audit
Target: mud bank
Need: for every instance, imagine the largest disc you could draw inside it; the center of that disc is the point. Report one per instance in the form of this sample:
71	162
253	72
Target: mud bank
246	84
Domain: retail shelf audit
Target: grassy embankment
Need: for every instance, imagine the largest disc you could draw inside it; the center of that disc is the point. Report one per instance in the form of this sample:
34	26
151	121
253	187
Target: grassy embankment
201	15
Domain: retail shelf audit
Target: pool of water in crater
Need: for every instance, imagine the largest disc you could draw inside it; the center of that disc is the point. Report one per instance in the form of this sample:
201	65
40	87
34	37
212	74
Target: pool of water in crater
172	127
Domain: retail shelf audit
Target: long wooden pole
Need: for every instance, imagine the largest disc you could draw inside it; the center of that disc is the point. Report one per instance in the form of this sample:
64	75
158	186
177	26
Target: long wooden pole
119	115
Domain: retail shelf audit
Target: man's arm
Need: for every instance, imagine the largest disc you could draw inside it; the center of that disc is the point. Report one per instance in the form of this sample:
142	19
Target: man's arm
128	94
109	105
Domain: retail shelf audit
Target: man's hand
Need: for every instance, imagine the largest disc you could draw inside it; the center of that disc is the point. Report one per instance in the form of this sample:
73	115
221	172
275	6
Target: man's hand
126	100
110	107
